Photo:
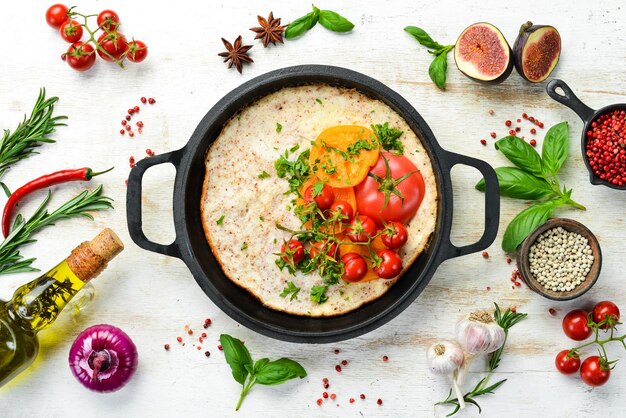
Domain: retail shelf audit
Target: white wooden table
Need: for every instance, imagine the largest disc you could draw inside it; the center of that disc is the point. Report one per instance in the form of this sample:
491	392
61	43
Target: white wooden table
153	297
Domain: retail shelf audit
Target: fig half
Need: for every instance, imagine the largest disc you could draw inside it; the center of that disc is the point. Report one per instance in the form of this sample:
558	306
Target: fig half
483	54
536	50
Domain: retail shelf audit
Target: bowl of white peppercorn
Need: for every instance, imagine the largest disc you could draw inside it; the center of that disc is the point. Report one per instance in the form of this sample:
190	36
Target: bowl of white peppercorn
561	259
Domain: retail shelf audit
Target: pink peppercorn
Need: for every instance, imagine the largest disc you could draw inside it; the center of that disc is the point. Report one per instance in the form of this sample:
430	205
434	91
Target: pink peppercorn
338	368
143	100
344	362
151	100
325	395
362	396
333	396
533	142
319	402
508	123
379	401
493	134
483	141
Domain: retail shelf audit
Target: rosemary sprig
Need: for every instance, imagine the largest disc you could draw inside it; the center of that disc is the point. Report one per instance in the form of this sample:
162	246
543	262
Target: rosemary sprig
11	261
30	133
506	320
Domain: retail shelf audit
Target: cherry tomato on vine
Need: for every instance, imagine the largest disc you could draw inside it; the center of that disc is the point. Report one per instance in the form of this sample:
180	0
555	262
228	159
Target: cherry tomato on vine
604	309
567	364
331	250
296	249
137	51
594	372
390	264
345	208
354	267
396	239
56	15
361	229
324	199
71	31
575	325
108	20
114	43
80	56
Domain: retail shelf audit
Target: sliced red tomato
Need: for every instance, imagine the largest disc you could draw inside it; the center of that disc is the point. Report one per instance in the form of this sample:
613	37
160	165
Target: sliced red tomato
392	191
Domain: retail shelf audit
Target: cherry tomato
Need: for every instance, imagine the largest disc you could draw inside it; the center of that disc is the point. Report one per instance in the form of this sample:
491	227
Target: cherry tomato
331	250
345	208
324	199
396	239
354	267
567	364
71	31
594	372
114	43
56	15
361	229
390	265
137	51
108	20
80	56
575	325
605	309
296	249
404	194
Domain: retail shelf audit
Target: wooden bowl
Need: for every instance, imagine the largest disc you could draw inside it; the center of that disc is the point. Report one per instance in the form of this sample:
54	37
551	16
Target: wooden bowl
523	263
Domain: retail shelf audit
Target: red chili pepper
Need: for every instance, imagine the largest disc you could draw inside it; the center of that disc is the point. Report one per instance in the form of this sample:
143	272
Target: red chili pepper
63	176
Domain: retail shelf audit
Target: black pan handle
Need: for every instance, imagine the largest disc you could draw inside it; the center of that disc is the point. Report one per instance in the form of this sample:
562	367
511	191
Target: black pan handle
492	207
569	99
133	204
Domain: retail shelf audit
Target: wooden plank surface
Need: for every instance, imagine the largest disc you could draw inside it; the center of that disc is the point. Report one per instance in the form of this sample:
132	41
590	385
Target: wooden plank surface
153	297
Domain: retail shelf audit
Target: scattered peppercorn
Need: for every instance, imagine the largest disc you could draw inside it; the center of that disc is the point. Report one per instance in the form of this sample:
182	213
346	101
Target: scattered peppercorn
131	111
143	100
512	132
492	112
128	127
362	396
519	120
333	396
508	260
207	354
379	401
319	402
524	115
552	311
207	322
485	254
488	288
131	133
514	309
508	123
325	395
351	400
533	142
151	100
179	339
122	131
517	129
336	351
385	358
136	108
166	346
483	141
344	362
533	131
219	347
338	368
493	135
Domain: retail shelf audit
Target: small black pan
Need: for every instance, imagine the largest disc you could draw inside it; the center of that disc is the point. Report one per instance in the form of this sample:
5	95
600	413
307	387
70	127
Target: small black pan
588	115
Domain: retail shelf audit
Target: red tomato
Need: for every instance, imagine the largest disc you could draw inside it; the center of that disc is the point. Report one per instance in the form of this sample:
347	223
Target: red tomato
354	267
324	199
594	372
575	325
399	181
56	15
331	250
114	44
71	31
108	20
390	265
345	208
605	309
137	51
80	56
397	238
567	364
296	250
361	229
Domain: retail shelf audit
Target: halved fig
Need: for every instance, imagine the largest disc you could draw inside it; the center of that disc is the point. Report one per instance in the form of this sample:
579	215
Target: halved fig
483	54
536	50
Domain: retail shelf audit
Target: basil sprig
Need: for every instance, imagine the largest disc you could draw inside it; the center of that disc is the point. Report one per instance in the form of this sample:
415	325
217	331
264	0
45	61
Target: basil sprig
263	371
439	66
533	178
330	20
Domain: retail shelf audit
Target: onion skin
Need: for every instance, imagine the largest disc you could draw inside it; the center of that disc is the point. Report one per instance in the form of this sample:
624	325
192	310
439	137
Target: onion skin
520	44
118	345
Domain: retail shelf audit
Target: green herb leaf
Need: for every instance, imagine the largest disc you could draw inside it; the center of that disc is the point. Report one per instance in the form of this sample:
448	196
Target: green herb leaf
334	21
264	175
438	68
317	189
279	371
244	246
422	37
279	127
355	148
301	25
524	223
318	100
296	172
237	356
318	294
6	189
220	221
290	289
555	148
522	154
519	184
389	138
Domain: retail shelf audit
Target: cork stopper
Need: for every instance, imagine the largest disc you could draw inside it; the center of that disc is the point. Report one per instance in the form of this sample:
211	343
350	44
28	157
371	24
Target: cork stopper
91	257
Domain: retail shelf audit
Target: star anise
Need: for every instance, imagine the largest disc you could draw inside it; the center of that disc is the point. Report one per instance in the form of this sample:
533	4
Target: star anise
270	30
237	54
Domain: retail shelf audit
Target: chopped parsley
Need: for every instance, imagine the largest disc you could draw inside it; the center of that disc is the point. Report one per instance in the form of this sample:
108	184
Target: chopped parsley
220	221
343	154
389	138
261	218
264	175
318	100
244	246
318	294
290	289
317	189
296	172
355	149
279	127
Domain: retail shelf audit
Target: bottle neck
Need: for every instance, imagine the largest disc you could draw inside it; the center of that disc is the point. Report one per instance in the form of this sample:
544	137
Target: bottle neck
37	304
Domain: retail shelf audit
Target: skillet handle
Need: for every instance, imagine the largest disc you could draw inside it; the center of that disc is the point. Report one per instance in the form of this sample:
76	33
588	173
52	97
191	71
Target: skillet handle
569	99
492	207
133	204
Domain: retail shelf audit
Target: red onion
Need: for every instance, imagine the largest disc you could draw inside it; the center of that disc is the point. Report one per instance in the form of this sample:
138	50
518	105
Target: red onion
103	358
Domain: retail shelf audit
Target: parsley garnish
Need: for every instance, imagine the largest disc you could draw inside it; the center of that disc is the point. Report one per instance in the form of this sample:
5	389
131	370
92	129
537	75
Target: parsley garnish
354	149
264	175
244	246
261	218
290	289
318	294
318	100
220	221
296	172
389	138
317	189
279	127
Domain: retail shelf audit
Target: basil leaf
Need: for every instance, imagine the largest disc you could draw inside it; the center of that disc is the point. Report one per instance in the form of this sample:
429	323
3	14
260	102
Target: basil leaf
524	223
423	38
334	21
259	364
519	184
521	154
279	371
301	25
237	356
555	148
437	69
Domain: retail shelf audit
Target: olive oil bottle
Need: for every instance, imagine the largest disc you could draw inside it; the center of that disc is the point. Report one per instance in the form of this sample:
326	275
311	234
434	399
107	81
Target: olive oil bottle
37	304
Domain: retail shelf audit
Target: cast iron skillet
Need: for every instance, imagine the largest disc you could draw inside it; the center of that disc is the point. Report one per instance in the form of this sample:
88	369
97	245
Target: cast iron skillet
191	246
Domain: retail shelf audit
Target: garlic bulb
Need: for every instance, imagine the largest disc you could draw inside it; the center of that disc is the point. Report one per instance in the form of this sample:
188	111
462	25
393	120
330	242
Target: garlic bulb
479	333
445	357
